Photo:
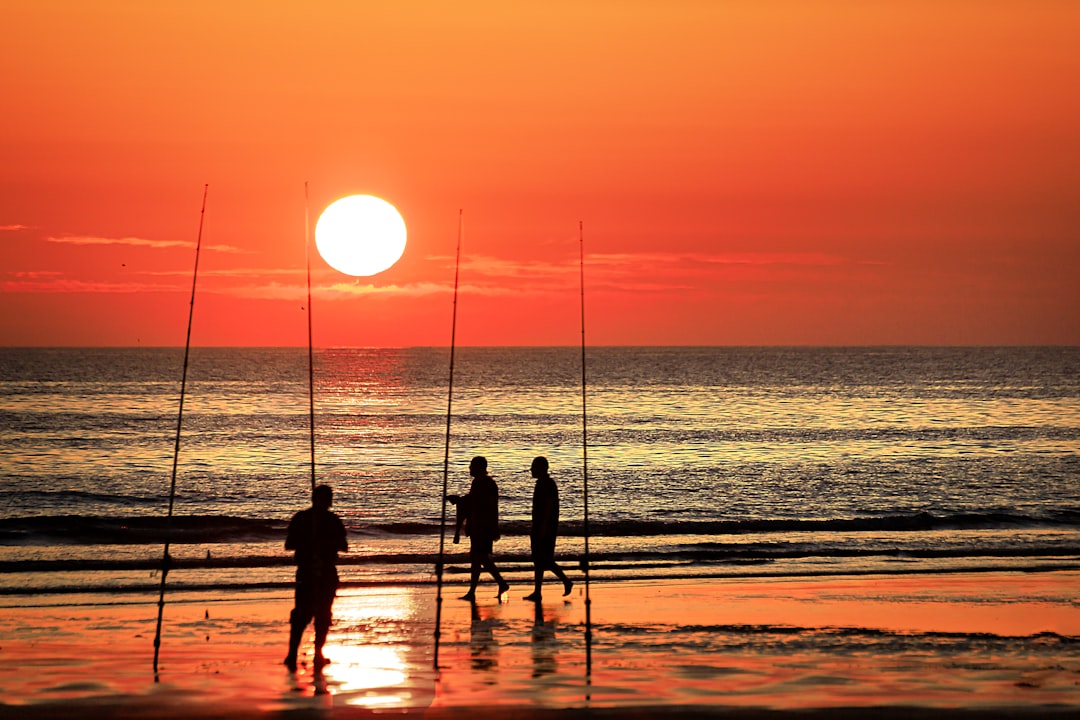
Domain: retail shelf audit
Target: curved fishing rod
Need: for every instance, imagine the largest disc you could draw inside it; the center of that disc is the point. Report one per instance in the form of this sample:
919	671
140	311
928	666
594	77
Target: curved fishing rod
166	561
446	454
585	459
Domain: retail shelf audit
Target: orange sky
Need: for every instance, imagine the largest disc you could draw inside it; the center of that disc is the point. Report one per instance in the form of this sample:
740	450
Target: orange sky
760	172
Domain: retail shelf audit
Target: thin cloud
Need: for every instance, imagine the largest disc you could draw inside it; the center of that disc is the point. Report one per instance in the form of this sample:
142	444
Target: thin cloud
227	273
491	266
13	228
682	272
488	275
498	267
494	267
57	285
33	274
744	258
265	291
140	242
354	289
492	276
333	291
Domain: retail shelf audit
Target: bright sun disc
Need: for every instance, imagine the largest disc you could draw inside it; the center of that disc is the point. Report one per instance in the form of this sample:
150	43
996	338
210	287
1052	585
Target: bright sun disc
360	235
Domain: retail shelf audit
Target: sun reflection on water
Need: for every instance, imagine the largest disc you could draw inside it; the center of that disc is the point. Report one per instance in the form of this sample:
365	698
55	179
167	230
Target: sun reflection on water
366	668
369	649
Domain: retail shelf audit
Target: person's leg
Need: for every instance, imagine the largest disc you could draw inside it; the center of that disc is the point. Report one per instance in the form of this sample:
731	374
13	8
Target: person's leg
536	549
296	635
538	579
301	615
322	629
323	619
567	584
489	565
474	577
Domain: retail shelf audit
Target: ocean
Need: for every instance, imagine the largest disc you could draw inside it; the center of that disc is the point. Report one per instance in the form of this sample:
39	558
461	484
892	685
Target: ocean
702	461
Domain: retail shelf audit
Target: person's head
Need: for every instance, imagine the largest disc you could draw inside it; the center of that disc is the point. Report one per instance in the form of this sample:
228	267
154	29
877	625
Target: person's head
539	467
323	497
478	466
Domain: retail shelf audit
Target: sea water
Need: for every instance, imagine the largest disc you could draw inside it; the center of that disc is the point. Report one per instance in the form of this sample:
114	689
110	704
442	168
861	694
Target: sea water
698	461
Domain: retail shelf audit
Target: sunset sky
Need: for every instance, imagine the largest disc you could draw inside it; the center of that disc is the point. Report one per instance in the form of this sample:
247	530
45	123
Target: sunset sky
845	172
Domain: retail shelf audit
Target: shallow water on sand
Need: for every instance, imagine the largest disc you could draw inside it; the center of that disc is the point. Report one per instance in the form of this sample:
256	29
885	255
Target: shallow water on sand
1001	640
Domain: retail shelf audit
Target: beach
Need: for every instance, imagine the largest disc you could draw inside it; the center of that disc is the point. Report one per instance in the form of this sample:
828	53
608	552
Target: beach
981	645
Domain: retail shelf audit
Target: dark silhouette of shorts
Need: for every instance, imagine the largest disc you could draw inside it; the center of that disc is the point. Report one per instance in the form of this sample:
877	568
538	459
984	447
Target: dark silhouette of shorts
480	547
543	549
314	601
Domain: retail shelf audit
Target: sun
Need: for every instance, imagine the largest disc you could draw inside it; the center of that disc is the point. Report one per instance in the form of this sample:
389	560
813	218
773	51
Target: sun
360	235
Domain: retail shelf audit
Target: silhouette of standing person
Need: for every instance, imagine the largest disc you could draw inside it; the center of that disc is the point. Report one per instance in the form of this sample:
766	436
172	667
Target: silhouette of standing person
545	528
316	535
481	510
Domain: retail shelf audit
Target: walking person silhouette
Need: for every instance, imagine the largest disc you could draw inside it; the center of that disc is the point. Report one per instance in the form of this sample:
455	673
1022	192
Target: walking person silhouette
316	535
545	528
480	508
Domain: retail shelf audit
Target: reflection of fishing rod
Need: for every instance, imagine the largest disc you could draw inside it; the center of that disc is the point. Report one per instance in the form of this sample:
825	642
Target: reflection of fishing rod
446	455
166	561
585	459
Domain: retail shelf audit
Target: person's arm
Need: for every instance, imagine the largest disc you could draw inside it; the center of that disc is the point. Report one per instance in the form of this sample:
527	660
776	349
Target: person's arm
495	534
290	535
343	540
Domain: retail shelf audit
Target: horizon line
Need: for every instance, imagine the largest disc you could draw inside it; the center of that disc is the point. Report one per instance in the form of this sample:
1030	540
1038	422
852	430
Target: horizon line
533	347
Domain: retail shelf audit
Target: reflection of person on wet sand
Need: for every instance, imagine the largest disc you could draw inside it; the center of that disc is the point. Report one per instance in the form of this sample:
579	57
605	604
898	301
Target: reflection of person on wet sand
482	643
545	528
543	643
481	511
316	535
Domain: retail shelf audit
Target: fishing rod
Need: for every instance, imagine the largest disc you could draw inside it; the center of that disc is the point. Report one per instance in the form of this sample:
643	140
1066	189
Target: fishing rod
446	454
310	346
166	561
585	459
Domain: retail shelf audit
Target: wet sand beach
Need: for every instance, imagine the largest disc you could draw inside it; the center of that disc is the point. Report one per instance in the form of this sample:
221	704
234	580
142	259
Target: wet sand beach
916	645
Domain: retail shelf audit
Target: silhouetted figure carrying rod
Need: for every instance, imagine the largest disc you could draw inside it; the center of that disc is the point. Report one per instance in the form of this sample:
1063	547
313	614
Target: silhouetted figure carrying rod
545	528
480	512
316	535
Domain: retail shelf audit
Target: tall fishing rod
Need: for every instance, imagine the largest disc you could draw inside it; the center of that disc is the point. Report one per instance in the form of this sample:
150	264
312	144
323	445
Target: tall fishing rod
446	454
166	561
585	458
310	345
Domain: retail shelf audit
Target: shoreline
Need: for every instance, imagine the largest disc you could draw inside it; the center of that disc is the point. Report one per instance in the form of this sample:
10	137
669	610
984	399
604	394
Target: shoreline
458	574
981	645
176	594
